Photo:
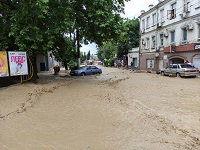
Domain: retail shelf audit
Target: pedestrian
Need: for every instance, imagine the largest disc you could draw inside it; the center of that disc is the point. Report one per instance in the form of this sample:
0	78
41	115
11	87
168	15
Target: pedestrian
131	65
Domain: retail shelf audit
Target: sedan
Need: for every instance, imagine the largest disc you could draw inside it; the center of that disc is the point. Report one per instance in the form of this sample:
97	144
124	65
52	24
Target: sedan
86	70
180	70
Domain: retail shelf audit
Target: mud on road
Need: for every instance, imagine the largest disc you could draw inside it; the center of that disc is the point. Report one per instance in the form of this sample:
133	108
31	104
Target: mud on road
117	110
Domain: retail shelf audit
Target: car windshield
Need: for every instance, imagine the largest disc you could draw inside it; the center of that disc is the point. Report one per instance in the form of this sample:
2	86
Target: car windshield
186	66
83	68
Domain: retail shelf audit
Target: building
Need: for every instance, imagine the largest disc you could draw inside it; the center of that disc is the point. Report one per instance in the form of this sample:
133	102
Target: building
133	56
46	62
170	33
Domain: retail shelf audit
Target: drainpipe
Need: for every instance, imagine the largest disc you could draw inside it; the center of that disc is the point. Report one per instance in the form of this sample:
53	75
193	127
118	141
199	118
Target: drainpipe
139	43
157	58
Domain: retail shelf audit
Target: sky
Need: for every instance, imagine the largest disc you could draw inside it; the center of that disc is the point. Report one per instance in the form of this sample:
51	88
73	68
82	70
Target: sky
132	10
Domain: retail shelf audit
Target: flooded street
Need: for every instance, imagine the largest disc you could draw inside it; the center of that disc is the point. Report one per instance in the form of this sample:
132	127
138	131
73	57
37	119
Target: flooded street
117	110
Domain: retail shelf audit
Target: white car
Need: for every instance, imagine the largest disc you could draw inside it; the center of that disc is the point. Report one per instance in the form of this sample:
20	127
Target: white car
180	70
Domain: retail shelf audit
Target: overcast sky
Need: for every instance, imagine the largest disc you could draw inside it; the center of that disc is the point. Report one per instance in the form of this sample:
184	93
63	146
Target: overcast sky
132	10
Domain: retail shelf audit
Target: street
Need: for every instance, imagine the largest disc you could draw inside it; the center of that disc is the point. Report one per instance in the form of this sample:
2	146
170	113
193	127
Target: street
117	110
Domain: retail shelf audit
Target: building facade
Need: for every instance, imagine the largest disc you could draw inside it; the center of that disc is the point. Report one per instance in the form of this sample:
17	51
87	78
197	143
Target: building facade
133	56
170	33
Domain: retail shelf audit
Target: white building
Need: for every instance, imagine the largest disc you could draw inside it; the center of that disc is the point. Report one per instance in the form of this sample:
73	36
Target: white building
133	56
170	33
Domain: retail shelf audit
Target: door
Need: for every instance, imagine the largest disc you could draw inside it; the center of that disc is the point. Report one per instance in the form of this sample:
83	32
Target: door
134	62
160	64
168	70
42	66
196	61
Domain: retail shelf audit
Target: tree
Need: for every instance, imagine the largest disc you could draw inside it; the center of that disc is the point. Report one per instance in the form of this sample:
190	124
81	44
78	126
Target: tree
33	25
37	25
88	55
131	37
107	52
97	22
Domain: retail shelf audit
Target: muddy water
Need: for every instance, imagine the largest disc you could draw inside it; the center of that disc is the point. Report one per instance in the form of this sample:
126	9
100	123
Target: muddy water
118	110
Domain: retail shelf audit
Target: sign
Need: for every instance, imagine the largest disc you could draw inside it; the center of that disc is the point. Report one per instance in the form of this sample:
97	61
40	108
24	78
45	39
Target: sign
150	63
165	57
3	65
18	63
172	49
196	46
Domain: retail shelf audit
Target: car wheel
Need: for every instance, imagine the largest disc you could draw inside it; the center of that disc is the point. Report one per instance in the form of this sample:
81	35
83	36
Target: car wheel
162	73
178	74
82	74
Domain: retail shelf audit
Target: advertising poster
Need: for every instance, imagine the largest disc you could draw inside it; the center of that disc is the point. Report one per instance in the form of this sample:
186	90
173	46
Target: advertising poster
18	63
3	65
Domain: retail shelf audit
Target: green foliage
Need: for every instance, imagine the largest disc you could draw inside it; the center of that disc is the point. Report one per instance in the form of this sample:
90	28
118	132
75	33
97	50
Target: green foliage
59	26
88	55
107	51
107	62
72	65
83	57
131	37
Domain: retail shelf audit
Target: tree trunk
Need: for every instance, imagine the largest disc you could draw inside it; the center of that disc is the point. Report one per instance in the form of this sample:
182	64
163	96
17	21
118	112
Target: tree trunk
78	48
34	63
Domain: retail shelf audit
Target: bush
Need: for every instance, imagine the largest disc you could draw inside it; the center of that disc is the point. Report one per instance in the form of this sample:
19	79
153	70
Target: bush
72	65
107	62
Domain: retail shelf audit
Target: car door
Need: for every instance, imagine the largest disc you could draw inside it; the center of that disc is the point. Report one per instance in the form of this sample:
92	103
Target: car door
174	69
168	70
94	69
88	70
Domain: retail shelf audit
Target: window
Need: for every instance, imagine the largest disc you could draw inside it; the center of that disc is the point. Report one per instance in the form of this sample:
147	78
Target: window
174	10
154	19
199	31
161	39
143	24
184	39
162	15
187	6
143	44
148	22
153	42
172	13
147	43
173	38
174	67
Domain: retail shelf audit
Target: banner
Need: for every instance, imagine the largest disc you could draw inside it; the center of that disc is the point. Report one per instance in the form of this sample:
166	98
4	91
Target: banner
3	65
18	63
196	46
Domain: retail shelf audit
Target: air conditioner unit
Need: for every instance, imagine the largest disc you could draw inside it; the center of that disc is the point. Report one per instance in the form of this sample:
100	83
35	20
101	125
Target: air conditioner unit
143	31
183	42
157	48
190	27
184	15
166	34
159	24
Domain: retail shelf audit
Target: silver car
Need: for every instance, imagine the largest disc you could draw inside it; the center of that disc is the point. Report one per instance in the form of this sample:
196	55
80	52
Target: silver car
180	70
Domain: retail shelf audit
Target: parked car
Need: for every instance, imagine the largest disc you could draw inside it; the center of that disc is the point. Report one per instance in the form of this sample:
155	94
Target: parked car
86	70
180	70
